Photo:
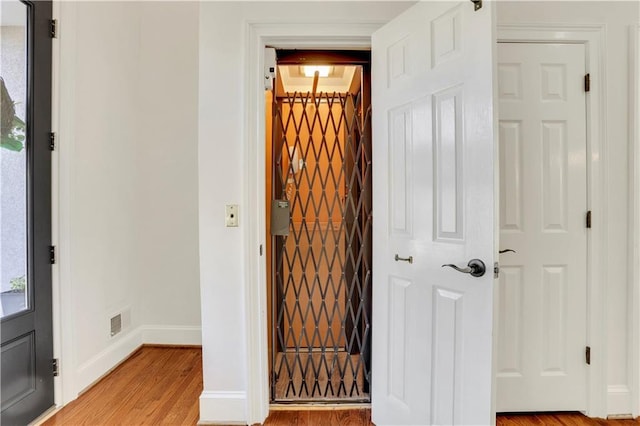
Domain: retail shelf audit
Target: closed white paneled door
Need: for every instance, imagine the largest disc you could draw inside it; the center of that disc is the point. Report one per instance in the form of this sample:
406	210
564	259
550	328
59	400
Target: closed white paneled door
433	195
541	363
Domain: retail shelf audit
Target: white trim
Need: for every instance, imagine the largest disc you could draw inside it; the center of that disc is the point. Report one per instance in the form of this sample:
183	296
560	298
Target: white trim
327	35
55	209
634	215
122	347
100	364
228	407
593	38
171	335
618	400
63	123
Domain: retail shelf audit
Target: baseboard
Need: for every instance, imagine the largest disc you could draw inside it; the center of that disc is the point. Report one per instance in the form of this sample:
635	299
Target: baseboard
171	335
223	408
99	365
619	401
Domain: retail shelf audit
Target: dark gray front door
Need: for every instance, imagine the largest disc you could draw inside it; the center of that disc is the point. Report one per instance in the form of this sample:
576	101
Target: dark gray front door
26	382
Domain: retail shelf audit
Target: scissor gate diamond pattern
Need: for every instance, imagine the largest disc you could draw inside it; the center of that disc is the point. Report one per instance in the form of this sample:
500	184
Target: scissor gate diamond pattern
322	269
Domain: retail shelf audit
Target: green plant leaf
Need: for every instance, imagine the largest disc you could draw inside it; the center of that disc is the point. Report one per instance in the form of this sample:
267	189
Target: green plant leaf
11	144
18	283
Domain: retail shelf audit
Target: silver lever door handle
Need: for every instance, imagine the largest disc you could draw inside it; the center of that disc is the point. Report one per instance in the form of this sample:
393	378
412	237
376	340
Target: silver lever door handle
475	267
404	259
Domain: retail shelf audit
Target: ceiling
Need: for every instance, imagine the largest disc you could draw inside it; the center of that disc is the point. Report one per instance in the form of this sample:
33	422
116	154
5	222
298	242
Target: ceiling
339	80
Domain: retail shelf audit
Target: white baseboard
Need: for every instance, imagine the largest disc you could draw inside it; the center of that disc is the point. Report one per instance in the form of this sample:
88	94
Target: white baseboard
171	335
99	365
619	400
102	363
223	408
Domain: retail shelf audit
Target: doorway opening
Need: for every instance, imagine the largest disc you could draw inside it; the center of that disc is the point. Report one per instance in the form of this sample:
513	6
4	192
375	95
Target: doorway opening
319	222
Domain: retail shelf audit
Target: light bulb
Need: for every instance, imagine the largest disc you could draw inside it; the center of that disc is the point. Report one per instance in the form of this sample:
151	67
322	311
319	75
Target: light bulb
323	70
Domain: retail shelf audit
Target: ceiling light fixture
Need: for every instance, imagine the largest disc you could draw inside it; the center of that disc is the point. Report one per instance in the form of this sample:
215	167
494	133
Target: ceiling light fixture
309	70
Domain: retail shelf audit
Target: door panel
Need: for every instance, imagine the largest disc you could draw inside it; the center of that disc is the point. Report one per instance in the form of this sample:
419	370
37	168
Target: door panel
433	129
543	203
27	343
448	161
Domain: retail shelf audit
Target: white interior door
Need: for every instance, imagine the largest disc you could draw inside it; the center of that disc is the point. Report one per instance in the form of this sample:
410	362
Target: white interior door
433	150
543	205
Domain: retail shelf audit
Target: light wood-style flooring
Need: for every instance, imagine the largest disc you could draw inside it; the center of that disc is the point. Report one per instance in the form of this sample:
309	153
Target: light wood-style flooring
155	386
363	418
161	386
558	419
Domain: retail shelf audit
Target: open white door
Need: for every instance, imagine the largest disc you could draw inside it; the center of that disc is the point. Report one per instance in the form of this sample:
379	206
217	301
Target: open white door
433	182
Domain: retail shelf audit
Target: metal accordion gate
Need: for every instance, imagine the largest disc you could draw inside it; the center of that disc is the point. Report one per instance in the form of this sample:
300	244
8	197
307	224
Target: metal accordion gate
321	258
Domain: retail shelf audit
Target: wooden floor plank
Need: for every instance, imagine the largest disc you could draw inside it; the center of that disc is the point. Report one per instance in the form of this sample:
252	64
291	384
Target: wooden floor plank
558	419
161	386
154	386
362	417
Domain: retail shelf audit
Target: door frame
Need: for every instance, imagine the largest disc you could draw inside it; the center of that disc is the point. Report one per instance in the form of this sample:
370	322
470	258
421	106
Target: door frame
37	316
592	37
357	34
634	215
283	34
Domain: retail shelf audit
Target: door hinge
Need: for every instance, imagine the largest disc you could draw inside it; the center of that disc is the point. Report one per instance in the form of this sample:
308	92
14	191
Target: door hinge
587	82
589	219
477	4
55	365
496	270
52	255
53	28
52	141
587	355
260	249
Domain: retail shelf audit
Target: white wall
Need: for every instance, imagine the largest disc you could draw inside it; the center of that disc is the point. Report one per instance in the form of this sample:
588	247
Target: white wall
617	16
222	108
125	213
222	180
168	160
133	89
101	191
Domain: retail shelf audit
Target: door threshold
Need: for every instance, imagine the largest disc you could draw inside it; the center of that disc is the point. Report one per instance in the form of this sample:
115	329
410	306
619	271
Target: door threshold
42	418
319	406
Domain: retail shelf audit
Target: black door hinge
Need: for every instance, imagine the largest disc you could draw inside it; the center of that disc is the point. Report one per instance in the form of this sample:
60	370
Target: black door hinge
587	82
477	4
55	365
260	249
52	141
589	219
53	28
587	355
52	255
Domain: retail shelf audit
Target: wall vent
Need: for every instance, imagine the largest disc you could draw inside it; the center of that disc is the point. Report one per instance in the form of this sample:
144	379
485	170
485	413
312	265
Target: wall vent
116	325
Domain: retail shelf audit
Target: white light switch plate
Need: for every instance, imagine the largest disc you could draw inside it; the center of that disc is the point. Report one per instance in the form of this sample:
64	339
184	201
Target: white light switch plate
231	216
